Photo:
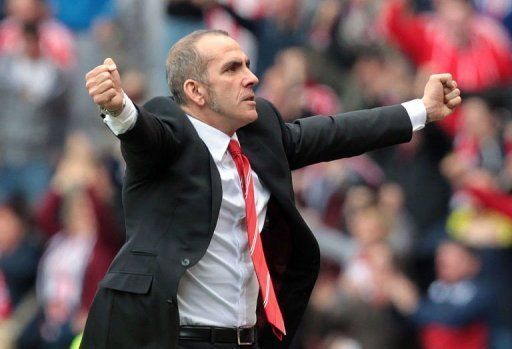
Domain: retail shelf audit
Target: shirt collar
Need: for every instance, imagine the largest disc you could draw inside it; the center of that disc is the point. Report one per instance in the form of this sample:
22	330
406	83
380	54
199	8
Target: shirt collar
216	141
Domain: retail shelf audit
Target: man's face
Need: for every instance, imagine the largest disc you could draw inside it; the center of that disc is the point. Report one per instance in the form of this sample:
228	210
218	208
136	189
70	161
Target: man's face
230	94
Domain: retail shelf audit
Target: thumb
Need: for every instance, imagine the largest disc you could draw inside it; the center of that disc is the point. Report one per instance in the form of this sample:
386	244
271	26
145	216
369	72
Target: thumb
444	78
112	67
110	63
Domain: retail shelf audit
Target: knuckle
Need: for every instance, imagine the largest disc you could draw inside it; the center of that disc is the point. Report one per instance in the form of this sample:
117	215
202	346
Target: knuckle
99	99
100	77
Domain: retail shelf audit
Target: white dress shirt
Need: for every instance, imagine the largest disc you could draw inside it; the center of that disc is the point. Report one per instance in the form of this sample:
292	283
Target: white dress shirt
222	288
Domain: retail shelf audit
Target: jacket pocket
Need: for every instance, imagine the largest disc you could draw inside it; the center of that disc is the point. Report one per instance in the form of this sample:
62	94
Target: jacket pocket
127	282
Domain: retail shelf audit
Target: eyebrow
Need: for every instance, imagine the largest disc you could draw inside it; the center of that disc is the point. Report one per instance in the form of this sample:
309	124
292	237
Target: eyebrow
235	62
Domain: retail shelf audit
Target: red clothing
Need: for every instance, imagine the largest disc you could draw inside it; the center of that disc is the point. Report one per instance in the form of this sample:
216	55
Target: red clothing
57	42
5	299
438	336
485	62
493	199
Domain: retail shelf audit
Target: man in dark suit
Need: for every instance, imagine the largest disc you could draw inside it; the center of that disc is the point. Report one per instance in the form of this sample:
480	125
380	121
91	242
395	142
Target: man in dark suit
210	225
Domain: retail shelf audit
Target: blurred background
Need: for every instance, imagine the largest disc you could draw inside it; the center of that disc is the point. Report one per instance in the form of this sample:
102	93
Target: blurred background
415	239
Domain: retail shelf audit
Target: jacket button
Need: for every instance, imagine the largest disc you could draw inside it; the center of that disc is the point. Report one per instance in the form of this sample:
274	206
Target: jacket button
185	262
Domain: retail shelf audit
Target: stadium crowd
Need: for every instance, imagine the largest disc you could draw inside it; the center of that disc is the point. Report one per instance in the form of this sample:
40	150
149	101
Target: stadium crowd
415	239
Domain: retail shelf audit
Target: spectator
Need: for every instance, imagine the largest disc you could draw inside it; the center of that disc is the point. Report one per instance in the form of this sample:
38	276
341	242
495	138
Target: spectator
479	163
481	142
56	42
289	85
62	276
93	34
19	255
284	26
415	167
454	38
402	235
352	26
78	217
457	310
369	229
243	20
33	95
80	168
337	188
357	308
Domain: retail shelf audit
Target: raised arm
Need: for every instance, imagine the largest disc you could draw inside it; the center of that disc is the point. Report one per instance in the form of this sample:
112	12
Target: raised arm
325	138
147	138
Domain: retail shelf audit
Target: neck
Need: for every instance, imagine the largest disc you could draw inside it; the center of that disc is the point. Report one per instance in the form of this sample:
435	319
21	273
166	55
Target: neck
210	118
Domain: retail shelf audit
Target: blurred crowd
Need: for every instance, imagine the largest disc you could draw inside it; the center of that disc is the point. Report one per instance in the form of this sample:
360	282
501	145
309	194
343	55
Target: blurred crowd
415	239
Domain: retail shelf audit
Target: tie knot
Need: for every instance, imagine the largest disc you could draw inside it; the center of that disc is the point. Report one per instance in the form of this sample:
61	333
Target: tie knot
234	148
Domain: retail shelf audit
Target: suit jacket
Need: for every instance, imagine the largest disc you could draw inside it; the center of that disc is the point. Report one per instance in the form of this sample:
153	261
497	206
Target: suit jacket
172	195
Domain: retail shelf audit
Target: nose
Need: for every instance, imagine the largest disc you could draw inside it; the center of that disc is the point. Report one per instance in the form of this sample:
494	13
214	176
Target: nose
251	79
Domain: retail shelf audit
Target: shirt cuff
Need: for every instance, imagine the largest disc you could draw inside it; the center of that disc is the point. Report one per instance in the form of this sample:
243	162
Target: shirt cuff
125	120
417	113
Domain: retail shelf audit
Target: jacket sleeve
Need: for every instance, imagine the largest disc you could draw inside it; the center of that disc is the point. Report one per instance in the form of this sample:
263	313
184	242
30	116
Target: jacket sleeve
325	138
154	140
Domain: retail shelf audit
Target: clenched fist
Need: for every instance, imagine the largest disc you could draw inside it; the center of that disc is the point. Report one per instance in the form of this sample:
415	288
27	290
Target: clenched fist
104	86
441	96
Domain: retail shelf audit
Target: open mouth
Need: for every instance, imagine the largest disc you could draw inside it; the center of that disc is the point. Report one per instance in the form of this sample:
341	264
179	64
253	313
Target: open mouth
249	99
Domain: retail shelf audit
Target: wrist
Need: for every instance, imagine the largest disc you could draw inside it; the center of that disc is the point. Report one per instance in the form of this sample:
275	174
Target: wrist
116	112
430	111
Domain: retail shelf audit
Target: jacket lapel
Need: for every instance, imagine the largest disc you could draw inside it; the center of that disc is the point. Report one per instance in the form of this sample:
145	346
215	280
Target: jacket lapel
216	192
268	167
216	184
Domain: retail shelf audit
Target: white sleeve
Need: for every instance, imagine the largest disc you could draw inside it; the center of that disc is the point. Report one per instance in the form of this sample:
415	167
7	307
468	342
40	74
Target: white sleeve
417	113
125	120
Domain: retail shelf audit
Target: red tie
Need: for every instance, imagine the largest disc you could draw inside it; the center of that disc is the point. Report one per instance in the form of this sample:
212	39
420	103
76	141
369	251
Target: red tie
272	311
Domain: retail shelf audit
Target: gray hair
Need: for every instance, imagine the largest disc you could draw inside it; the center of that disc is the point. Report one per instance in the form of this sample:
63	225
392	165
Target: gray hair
185	62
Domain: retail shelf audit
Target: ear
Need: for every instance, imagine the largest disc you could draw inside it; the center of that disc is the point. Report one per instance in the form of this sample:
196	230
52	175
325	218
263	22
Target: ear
195	92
